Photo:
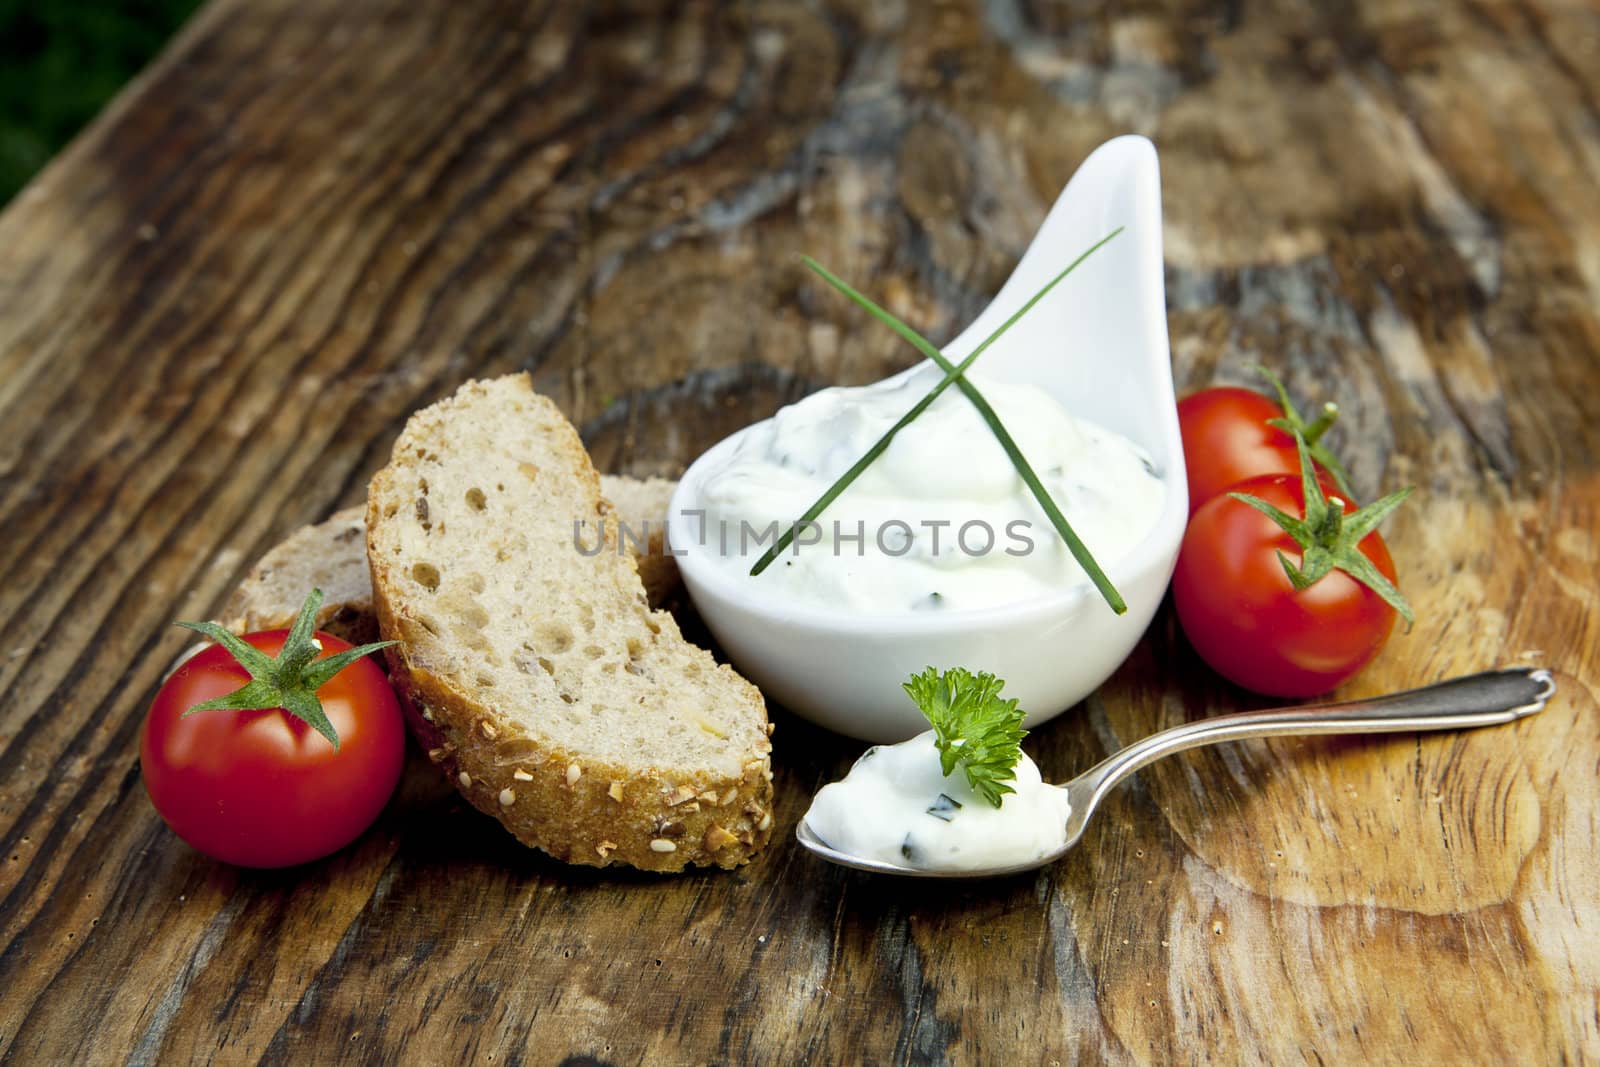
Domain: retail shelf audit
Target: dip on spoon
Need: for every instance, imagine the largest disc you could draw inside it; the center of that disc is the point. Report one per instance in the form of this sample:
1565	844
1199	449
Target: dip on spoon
897	807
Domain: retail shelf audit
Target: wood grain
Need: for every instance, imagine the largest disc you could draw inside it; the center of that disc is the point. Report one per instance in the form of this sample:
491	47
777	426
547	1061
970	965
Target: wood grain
218	306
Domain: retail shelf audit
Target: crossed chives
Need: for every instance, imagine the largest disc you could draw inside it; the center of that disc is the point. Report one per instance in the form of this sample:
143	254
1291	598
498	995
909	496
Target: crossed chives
955	374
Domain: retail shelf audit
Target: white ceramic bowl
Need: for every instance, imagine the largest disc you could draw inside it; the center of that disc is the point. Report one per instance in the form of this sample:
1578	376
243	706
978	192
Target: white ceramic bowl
1098	343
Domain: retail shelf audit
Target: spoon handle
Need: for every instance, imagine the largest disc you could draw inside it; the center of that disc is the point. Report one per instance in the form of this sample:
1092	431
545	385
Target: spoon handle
1485	699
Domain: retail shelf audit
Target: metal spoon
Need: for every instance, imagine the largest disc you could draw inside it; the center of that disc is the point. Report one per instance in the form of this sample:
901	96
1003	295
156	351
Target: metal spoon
1486	699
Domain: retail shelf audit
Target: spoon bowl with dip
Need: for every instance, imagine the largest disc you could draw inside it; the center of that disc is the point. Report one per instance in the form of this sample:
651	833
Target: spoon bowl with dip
834	644
1489	698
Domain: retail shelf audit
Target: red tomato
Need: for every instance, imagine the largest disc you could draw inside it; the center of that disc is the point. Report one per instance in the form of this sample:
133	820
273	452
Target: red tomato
262	788
1240	612
1226	439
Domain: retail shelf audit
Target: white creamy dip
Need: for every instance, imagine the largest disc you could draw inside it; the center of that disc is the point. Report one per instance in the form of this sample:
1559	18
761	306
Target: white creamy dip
900	808
897	806
941	520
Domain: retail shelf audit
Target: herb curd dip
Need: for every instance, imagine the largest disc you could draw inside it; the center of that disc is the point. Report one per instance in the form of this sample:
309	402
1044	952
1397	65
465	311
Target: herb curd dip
897	806
941	520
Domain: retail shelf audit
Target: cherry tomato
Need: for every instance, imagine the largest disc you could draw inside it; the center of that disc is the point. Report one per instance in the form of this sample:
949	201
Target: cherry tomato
1226	439
262	788
1242	614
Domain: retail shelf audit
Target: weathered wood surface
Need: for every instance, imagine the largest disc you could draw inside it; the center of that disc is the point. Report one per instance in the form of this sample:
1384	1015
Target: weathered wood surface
309	218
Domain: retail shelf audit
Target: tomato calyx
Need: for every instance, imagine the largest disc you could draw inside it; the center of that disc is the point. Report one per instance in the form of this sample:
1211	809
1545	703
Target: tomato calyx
1329	539
1310	433
290	679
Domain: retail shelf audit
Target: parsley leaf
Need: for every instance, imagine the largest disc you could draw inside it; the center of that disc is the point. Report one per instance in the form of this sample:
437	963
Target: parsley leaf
972	727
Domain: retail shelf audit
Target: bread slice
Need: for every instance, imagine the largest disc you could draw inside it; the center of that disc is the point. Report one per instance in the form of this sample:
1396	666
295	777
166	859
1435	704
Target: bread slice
535	672
332	556
641	506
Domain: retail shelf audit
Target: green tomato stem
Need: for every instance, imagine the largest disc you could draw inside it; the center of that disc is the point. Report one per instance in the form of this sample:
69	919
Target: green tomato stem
289	680
1329	539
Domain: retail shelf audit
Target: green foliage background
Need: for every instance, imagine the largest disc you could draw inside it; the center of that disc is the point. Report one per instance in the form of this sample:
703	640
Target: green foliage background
61	61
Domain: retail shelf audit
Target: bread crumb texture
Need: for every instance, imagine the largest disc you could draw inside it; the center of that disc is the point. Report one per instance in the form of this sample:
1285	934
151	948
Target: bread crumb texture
331	556
535	674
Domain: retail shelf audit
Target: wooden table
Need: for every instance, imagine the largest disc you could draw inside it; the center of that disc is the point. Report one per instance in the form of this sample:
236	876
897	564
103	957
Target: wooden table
309	218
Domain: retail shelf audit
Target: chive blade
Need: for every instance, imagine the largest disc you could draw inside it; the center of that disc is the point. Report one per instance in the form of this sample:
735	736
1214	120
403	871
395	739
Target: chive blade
882	444
953	374
1075	545
849	476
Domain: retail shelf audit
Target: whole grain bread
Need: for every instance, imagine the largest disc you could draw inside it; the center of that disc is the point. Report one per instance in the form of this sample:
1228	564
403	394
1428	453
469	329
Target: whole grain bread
332	556
639	510
534	671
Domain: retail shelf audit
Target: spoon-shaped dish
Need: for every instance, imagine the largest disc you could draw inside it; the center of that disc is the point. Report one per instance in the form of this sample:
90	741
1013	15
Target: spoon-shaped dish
1098	344
1486	699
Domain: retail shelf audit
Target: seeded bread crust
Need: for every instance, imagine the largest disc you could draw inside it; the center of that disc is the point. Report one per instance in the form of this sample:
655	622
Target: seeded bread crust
603	775
332	556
